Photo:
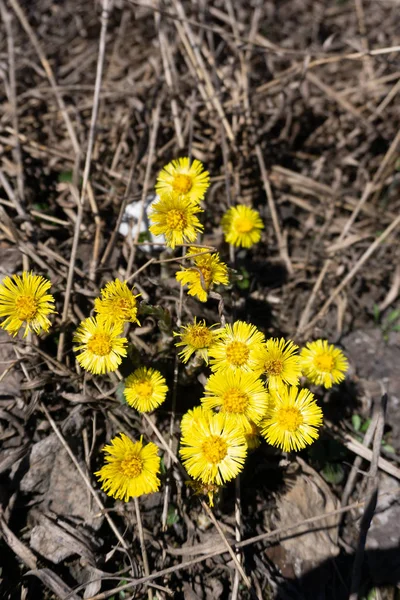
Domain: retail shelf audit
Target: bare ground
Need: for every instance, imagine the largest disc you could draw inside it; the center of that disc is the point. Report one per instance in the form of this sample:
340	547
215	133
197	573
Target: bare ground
293	106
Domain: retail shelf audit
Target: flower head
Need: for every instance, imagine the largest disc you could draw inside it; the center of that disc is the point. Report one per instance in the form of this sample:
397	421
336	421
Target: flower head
145	389
194	416
292	420
101	345
131	468
25	301
117	303
175	217
238	393
236	348
215	450
323	363
207	270
242	226
279	360
196	338
204	489
181	178
252	436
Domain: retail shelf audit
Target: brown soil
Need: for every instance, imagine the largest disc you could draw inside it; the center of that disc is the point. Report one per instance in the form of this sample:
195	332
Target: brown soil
293	106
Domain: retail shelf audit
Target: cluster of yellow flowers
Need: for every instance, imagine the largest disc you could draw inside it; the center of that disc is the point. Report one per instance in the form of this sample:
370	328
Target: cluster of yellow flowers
254	389
100	340
131	468
181	186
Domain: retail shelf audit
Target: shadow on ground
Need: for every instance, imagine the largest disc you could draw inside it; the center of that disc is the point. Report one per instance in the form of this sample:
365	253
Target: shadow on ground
332	579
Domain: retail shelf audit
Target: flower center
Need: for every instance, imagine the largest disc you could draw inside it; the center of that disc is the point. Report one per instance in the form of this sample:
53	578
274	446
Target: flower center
237	353
273	366
26	307
131	465
182	184
289	419
207	275
244	225
199	337
215	449
235	401
324	362
144	388
100	344
121	304
176	220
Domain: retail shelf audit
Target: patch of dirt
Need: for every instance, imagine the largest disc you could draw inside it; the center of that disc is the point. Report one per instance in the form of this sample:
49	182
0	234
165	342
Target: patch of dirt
293	108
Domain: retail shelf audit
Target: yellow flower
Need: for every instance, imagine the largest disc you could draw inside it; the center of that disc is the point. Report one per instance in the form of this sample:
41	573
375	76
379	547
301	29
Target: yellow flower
193	417
207	271
237	347
196	338
101	345
117	303
292	420
131	468
242	226
323	363
252	436
181	178
279	361
175	217
25	302
215	450
204	489
145	389
240	394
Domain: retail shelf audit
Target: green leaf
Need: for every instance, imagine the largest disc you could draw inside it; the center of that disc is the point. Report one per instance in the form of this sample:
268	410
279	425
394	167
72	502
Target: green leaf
40	206
376	313
145	236
122	593
172	516
333	473
393	316
163	468
388	448
119	392
365	426
243	284
65	177
356	421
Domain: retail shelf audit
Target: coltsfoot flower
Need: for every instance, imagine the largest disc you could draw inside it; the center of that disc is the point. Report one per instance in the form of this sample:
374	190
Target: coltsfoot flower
145	389
204	489
323	363
101	344
239	394
175	218
131	468
292	420
236	348
215	450
25	302
253	436
194	416
196	338
117	303
279	361
242	226
181	178
207	270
